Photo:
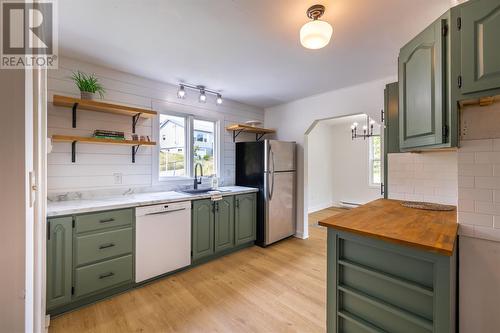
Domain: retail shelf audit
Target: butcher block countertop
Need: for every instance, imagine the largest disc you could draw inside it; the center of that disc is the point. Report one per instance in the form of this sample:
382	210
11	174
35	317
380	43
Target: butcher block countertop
388	220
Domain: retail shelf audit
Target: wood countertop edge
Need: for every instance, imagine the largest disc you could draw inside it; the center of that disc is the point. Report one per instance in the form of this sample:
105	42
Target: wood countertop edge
378	218
396	241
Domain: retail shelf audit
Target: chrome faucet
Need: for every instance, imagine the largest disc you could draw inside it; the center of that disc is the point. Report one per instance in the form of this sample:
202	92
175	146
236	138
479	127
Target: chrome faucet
196	181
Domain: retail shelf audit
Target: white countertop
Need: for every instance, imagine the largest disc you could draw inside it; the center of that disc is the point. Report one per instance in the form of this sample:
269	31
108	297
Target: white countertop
70	207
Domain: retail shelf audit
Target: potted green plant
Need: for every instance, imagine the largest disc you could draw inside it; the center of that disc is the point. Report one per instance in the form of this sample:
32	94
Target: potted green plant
88	84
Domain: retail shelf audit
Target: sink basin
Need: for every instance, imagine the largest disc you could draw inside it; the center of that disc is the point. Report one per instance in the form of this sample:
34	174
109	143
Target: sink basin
197	191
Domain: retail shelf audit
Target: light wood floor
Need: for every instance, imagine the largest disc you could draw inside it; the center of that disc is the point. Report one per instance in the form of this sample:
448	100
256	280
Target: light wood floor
278	289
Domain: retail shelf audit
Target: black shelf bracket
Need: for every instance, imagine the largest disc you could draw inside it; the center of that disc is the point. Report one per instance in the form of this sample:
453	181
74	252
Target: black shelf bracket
134	152
73	151
259	136
75	106
235	134
135	119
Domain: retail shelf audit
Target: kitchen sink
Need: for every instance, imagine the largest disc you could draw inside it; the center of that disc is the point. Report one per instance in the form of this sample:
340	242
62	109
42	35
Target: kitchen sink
197	191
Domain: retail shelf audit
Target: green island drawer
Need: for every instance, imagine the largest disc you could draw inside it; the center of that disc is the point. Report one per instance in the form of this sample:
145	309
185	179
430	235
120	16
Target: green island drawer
99	246
103	275
104	220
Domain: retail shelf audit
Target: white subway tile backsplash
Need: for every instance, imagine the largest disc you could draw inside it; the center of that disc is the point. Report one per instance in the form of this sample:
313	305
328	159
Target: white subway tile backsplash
475	194
475	219
465	205
463	157
487	182
487	207
476	145
466	230
466	181
487	157
484	170
428	177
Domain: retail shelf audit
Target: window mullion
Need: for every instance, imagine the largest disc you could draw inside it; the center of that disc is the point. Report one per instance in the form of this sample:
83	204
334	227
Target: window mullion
190	146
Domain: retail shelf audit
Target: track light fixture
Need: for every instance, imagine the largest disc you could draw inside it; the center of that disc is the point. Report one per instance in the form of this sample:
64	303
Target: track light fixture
202	98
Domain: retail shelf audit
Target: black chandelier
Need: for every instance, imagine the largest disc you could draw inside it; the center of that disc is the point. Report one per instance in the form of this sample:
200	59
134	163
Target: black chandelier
367	129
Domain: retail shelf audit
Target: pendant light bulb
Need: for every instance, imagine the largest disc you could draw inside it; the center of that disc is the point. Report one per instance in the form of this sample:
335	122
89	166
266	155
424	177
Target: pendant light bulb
219	99
203	96
181	93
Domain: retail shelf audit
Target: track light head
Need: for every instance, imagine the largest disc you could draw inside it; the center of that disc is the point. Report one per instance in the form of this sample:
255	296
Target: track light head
181	93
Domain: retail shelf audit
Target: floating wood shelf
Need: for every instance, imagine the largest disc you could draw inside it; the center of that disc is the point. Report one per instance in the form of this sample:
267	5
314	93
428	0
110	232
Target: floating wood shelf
89	105
240	128
83	139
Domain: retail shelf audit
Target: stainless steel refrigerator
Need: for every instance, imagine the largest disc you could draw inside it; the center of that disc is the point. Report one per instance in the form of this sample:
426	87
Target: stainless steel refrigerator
270	166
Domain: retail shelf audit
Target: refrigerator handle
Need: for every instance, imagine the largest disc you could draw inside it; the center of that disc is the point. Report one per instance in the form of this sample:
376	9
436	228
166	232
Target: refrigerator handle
271	188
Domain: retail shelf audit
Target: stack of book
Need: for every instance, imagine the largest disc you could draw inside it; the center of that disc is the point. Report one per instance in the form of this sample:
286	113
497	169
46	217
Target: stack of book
103	134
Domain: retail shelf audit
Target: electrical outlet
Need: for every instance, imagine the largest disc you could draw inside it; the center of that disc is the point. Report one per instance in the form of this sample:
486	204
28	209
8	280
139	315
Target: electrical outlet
117	177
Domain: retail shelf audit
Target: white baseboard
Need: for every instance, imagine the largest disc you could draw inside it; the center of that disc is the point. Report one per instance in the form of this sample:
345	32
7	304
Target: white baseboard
301	235
315	208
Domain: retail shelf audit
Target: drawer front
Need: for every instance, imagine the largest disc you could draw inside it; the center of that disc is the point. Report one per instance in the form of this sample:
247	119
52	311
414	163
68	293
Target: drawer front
97	277
107	244
104	220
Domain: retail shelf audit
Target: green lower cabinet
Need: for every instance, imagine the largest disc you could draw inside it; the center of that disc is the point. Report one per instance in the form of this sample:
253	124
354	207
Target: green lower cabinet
89	257
245	218
59	261
224	224
202	230
375	286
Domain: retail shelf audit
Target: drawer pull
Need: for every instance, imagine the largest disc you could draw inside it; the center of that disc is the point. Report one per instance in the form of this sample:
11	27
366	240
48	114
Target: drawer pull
105	246
103	276
106	220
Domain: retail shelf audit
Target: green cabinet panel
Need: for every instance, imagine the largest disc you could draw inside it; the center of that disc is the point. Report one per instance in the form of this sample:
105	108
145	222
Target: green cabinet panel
245	218
202	230
480	46
104	220
391	128
377	286
59	261
103	275
103	245
224	224
422	88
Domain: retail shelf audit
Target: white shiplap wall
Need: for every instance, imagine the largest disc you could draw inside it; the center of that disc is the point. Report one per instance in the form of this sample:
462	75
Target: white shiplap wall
96	164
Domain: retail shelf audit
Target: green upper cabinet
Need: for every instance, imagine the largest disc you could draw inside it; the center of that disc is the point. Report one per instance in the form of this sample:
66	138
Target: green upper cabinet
59	261
391	128
479	26
245	218
224	223
423	68
202	229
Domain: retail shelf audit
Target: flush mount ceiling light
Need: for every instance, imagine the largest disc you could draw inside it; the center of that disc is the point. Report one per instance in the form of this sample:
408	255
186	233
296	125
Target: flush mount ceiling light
315	34
202	98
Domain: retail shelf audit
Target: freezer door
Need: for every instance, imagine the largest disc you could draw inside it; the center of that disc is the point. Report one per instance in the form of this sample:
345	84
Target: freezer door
280	206
280	156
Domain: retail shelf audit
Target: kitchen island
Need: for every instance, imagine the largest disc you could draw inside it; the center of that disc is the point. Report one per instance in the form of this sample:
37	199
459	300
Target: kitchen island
391	268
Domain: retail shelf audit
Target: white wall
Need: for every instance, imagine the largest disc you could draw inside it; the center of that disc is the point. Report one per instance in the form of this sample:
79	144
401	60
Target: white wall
320	173
95	164
350	167
13	199
292	120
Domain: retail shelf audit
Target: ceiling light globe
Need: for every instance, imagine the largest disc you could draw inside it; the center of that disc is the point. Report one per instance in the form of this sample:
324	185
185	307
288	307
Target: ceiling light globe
203	97
315	34
219	100
181	93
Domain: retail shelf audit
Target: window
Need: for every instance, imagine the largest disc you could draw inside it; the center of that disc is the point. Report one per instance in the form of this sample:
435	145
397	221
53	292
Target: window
204	146
374	160
184	142
172	146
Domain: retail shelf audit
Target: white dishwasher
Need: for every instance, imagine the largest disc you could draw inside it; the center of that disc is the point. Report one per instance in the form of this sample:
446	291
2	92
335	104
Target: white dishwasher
162	239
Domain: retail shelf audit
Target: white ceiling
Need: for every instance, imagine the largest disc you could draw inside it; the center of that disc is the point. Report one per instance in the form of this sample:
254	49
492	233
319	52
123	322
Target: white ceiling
247	49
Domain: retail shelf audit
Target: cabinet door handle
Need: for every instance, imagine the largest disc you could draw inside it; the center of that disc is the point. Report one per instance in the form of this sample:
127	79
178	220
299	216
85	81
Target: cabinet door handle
103	276
237	203
105	246
106	220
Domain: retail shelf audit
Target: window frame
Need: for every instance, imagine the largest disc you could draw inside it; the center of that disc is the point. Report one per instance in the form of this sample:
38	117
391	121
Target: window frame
189	147
371	161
